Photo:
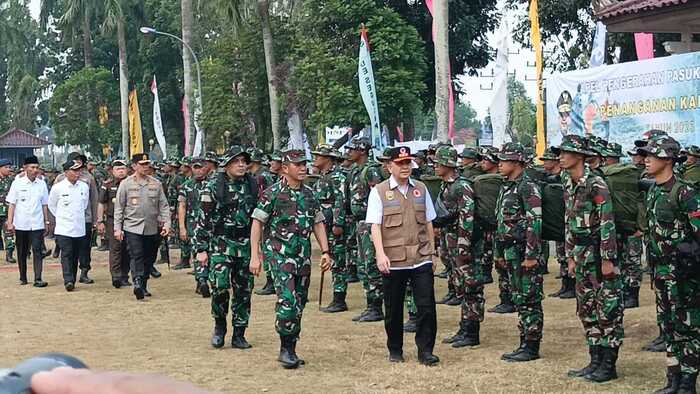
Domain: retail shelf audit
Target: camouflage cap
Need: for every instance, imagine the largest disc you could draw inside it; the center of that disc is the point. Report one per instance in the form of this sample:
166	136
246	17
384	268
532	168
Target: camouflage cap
173	163
489	153
293	156
693	150
613	150
420	155
256	155
649	135
446	155
513	151
663	147
324	150
549	154
198	162
597	145
276	156
187	161
384	156
469	153
233	152
211	157
361	143
573	143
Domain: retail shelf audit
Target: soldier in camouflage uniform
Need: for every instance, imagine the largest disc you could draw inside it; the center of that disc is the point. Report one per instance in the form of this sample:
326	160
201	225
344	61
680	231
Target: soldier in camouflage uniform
188	207
673	214
5	182
186	252
690	170
457	197
371	175
266	179
517	244
550	162
169	176
359	154
222	239
591	251
284	218
330	193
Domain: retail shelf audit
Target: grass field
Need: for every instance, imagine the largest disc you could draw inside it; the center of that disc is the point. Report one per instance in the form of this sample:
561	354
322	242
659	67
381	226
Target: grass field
169	334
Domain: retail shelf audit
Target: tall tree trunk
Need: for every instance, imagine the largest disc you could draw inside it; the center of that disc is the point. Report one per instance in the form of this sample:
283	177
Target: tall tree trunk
187	23
442	63
123	86
264	11
87	38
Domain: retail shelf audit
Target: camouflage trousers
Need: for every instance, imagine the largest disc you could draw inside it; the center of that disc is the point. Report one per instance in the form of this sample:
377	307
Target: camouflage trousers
484	253
186	251
630	261
8	239
561	259
201	271
448	246
230	273
291	278
599	303
351	253
469	287
367	269
339	270
678	315
526	293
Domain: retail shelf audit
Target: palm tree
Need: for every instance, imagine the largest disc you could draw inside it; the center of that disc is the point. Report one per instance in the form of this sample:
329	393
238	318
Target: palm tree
77	16
442	66
237	11
114	17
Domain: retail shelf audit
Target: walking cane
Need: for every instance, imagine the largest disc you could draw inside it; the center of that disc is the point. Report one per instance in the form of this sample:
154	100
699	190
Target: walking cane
320	290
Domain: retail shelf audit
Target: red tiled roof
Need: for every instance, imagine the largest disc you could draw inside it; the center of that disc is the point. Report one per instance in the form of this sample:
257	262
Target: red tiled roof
17	138
612	8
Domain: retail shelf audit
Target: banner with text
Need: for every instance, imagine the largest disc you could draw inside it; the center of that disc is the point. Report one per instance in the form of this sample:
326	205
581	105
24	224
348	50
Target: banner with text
620	102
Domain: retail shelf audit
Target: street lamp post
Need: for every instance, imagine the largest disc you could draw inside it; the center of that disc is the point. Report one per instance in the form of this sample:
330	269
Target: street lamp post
150	30
227	139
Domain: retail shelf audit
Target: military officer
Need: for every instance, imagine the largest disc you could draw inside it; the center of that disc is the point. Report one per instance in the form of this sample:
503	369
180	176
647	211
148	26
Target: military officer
118	255
188	208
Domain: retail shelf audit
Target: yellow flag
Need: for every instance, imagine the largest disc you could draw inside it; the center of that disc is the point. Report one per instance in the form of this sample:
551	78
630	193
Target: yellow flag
103	115
537	45
135	134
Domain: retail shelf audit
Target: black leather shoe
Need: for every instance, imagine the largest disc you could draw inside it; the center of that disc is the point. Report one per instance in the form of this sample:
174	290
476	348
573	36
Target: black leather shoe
23	282
361	315
454	301
396	357
428	359
40	283
70	286
410	325
138	289
117	283
238	340
155	273
85	279
125	282
374	314
217	339
503	308
446	298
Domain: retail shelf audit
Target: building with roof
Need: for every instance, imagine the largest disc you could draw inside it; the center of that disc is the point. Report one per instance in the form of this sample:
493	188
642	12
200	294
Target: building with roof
17	144
653	16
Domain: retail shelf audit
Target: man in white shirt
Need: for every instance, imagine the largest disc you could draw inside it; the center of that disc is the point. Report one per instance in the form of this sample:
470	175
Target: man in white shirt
27	217
68	200
401	212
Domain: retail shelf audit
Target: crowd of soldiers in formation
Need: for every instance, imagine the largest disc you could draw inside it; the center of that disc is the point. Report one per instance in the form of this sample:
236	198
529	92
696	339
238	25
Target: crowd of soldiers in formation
216	201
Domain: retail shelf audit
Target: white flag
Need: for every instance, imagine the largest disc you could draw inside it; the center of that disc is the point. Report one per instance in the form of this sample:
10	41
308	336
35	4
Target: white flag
368	91
198	130
499	106
157	122
598	50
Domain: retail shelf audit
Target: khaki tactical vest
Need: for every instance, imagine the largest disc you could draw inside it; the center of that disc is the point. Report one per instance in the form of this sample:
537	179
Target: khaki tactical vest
404	225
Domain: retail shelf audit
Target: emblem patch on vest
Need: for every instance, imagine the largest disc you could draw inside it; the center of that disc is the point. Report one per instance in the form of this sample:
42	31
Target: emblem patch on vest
416	193
390	195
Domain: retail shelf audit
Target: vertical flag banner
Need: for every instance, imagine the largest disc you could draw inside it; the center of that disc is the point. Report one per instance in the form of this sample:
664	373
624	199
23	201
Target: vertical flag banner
157	122
367	89
451	131
186	119
536	40
644	43
135	133
198	138
498	110
599	44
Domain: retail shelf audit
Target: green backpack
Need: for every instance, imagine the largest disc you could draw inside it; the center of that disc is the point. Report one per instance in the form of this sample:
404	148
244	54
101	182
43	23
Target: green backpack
487	187
553	211
692	174
623	183
433	184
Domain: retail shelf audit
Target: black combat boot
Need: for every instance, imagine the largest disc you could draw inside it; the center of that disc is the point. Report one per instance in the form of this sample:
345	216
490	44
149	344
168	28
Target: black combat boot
117	283
238	340
155	273
596	356
145	287
530	352
84	278
632	298
287	356
184	263
138	288
448	298
459	335
218	338
688	383
203	288
362	314
125	282
506	305
569	288
268	289
673	380
8	256
454	301
561	289
337	305
294	350
516	351
410	324
471	334
374	313
607	370
656	345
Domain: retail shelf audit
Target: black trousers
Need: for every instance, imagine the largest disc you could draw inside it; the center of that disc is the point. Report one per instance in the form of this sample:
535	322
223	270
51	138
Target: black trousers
25	240
422	283
85	248
143	250
70	248
118	256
